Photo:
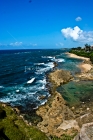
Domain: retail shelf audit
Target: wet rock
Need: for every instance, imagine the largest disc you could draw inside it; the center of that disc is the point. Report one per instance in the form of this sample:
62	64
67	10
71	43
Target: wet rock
41	97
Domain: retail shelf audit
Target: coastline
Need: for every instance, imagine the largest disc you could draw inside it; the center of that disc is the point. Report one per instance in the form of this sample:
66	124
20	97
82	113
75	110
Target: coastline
85	66
57	117
76	56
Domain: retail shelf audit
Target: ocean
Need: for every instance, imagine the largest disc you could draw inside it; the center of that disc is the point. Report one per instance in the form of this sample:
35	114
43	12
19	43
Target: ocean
23	75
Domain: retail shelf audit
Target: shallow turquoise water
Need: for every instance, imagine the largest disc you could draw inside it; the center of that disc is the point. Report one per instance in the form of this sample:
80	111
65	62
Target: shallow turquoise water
76	92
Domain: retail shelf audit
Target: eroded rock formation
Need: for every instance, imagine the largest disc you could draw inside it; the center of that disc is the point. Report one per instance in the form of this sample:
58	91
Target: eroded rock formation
58	119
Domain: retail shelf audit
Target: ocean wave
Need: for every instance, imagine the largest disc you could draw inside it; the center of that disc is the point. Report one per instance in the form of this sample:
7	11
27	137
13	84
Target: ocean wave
21	52
42	81
51	57
41	87
18	53
17	90
42	70
32	93
50	64
43	102
36	107
8	99
60	60
31	81
1	86
39	64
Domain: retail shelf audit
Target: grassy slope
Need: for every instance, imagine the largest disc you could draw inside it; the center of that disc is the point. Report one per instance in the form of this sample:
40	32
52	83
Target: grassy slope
14	128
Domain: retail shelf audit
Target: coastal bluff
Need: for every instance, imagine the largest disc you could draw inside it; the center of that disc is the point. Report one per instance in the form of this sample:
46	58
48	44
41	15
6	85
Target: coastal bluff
59	77
57	117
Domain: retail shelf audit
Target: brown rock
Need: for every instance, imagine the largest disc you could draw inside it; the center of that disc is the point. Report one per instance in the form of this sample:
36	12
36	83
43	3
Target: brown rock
60	76
54	115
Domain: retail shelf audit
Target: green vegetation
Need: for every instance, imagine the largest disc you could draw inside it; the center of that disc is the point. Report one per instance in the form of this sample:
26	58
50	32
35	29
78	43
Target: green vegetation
87	51
12	127
63	137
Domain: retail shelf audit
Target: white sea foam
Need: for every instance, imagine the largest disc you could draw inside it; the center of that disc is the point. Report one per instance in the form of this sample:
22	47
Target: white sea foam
38	63
8	99
42	70
49	66
32	93
42	81
51	57
41	87
60	60
43	102
31	81
36	107
1	87
17	90
17	53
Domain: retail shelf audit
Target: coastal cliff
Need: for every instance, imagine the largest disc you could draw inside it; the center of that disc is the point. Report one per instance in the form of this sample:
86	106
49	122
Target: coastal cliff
58	119
14	127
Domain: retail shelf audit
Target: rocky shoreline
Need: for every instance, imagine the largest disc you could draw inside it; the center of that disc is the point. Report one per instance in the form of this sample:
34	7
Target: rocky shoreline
57	117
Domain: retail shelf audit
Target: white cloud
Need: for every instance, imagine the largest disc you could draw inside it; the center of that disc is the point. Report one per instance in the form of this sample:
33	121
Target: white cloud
3	44
33	44
59	44
16	44
76	34
78	19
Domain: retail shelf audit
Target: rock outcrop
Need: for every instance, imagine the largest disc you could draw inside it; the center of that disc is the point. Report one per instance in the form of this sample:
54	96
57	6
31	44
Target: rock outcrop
55	113
86	132
58	118
55	116
59	77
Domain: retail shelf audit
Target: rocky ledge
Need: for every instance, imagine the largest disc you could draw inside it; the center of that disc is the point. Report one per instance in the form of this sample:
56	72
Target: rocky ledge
57	118
59	77
86	132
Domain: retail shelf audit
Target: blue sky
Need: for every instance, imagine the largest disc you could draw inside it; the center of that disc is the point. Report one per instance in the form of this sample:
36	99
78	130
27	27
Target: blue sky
45	23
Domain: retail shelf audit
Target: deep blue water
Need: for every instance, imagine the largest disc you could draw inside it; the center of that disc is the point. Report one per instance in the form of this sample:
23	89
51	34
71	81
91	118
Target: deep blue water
23	75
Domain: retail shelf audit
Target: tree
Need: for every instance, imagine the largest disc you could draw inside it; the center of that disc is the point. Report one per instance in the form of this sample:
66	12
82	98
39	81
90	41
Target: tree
87	47
78	48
